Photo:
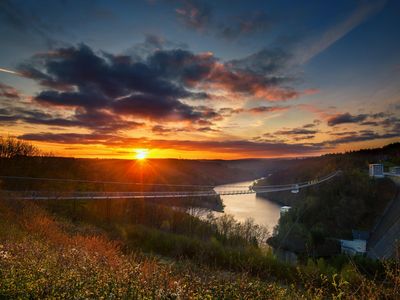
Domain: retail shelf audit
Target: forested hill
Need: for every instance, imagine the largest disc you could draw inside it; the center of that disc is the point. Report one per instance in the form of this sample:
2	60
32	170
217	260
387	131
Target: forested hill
201	172
308	168
351	201
169	171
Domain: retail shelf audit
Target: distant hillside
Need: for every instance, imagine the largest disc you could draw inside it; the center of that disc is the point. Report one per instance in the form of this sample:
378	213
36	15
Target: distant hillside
296	170
331	210
168	171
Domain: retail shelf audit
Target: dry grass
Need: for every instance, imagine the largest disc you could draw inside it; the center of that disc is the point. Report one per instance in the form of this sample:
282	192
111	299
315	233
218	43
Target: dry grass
44	258
48	262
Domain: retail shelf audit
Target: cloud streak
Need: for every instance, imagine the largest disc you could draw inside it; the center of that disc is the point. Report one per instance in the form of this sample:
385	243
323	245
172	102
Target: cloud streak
365	10
346	118
8	92
10	72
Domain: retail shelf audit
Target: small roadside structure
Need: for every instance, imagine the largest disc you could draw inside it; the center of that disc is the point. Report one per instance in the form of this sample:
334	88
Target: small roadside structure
376	170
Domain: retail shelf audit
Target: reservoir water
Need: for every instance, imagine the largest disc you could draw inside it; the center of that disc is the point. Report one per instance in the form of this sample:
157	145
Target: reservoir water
263	211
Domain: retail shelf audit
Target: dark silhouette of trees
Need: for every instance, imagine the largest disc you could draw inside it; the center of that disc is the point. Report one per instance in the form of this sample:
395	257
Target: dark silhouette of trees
11	147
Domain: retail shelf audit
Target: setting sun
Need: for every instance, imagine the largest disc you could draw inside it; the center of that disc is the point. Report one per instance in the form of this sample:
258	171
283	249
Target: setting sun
141	154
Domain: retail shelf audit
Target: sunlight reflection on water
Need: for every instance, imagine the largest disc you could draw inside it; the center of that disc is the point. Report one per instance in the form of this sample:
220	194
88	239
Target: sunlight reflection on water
263	211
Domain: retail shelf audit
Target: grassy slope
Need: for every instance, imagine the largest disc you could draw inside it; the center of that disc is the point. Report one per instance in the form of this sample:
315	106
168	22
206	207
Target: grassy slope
42	256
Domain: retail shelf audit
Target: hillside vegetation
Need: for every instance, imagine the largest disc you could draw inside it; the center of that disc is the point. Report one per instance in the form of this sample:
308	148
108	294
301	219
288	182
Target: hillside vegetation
330	211
43	256
137	249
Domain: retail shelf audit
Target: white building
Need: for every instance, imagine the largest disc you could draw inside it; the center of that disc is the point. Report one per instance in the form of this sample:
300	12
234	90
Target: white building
376	170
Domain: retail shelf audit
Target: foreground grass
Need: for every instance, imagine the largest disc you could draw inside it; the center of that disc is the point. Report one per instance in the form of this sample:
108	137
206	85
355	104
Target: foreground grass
43	257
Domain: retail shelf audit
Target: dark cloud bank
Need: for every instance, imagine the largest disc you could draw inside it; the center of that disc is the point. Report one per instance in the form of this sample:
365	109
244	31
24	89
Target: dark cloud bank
153	88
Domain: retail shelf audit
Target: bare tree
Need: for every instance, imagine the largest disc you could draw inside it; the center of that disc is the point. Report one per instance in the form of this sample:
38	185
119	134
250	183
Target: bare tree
11	147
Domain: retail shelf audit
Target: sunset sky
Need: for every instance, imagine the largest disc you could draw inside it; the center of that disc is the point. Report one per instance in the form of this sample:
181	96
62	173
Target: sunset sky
200	79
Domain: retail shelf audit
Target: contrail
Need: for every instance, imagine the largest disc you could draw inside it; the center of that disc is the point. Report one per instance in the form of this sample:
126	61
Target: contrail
336	32
10	71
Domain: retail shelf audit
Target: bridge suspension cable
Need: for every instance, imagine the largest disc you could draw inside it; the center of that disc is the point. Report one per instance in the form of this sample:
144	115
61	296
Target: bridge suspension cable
104	182
140	183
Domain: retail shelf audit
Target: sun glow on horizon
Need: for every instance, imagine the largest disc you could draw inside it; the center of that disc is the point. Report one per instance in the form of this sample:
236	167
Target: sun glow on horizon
141	154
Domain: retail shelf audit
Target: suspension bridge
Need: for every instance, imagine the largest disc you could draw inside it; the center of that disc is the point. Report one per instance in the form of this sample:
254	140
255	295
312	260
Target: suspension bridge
225	190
